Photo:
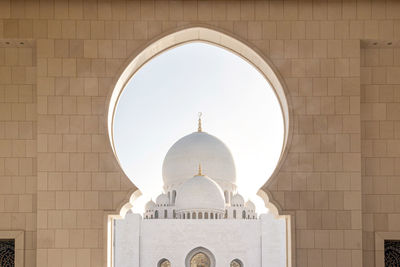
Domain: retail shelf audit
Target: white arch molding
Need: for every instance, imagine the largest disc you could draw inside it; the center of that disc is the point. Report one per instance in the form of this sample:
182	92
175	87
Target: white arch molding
207	34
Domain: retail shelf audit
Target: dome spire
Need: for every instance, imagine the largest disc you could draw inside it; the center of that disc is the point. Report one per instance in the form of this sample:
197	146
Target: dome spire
199	127
200	173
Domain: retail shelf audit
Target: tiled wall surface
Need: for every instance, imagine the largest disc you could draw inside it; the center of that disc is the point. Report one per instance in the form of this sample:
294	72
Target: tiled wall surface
18	137
80	47
380	130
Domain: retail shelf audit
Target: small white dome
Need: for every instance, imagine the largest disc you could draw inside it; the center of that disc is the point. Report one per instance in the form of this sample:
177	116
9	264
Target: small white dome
162	200
200	193
237	200
150	205
250	205
194	149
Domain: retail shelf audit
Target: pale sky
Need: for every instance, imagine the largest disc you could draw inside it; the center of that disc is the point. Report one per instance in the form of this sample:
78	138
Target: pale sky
161	102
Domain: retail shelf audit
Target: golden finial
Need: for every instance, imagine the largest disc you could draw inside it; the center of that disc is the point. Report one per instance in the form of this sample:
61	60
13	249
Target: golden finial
199	127
200	173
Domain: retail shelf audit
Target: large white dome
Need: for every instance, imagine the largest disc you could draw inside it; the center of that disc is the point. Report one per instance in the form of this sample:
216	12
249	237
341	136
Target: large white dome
200	193
197	148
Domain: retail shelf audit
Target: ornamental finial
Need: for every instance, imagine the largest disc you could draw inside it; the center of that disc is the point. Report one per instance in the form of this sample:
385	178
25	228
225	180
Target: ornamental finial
199	127
200	173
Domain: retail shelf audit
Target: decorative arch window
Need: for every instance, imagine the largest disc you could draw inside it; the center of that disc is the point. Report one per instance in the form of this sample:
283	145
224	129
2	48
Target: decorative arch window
236	263
156	214
200	215
194	215
200	260
211	215
200	257
164	263
206	215
165	214
173	196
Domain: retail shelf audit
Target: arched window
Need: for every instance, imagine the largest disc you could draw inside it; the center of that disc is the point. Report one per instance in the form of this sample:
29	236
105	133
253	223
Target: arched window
200	215
211	215
164	263
188	215
156	214
234	214
243	214
173	196
165	214
236	263
200	257
200	260
194	215
183	216
206	215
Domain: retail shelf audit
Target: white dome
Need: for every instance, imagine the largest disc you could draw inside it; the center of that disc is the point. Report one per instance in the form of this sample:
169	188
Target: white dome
237	200
194	149
200	193
150	205
250	205
162	200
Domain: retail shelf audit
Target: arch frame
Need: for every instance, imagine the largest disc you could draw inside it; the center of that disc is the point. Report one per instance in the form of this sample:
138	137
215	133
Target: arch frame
199	32
203	250
212	35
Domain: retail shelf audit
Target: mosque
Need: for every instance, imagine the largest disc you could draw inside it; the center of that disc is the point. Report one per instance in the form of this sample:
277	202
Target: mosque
200	220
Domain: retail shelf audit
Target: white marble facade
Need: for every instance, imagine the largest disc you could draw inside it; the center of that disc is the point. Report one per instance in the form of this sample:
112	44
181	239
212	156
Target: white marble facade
199	214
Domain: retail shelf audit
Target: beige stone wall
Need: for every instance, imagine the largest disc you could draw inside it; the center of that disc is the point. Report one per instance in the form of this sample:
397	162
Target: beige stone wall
80	47
18	143
380	126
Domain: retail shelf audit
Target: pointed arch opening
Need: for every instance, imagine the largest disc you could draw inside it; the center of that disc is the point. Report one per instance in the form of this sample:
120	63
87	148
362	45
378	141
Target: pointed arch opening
211	36
218	38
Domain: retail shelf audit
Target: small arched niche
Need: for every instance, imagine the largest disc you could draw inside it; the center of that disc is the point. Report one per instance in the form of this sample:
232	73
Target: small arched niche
234	45
164	263
236	263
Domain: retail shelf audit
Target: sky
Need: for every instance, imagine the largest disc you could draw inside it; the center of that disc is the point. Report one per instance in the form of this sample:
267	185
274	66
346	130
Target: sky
161	102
